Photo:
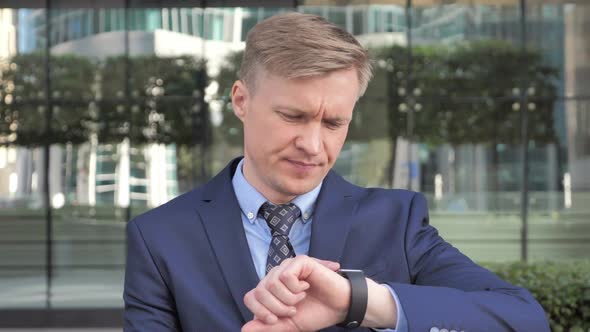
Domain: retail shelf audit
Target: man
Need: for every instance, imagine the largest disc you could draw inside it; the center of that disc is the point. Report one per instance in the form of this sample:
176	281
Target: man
260	247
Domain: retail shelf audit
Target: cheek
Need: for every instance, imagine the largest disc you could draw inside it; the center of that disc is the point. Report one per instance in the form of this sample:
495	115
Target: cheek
259	131
271	144
269	131
281	137
334	144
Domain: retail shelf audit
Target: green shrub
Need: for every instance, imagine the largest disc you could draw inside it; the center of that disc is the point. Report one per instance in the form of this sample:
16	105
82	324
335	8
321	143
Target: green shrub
563	289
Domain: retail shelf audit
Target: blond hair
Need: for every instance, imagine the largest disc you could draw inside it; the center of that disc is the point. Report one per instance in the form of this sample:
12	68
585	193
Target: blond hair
297	45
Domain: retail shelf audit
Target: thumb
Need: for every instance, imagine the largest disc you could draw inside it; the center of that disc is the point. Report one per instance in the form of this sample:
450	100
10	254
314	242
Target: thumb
259	326
252	326
334	266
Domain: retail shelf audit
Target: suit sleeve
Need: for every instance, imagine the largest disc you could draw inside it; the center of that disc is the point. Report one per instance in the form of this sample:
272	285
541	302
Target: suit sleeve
450	291
149	305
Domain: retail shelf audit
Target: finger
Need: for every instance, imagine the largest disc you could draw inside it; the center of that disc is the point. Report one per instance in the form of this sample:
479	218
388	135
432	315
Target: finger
258	309
259	326
290	279
253	326
334	266
274	281
271	303
295	274
283	293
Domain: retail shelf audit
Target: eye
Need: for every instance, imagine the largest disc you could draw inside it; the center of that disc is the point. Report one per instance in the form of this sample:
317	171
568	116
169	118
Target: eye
333	125
291	117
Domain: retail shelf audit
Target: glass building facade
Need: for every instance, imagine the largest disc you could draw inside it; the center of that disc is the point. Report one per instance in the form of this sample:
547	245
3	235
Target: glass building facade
106	112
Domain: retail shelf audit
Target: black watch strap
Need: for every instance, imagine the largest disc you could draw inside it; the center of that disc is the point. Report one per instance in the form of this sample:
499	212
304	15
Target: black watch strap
358	298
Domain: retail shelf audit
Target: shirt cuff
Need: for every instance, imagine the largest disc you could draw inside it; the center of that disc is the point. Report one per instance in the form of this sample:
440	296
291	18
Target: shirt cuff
402	323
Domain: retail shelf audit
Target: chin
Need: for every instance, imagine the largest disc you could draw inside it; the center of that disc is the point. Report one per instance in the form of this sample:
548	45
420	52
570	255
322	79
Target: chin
300	189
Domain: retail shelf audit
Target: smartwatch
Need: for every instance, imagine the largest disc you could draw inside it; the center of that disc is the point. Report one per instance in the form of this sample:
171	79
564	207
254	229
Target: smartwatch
358	298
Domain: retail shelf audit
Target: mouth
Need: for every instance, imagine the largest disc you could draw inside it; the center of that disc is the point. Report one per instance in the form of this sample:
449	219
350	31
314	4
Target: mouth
302	165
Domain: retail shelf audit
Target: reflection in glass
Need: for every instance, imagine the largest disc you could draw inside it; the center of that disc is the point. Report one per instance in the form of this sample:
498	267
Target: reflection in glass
134	125
22	221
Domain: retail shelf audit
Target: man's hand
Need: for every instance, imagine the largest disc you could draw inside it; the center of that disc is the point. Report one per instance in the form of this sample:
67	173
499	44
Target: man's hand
301	294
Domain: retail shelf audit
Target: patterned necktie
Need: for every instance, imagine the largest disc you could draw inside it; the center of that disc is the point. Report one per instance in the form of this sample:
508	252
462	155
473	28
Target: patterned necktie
280	219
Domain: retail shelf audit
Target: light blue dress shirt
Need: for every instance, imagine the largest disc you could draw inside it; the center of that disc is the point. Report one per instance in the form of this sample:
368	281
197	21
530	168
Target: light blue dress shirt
258	233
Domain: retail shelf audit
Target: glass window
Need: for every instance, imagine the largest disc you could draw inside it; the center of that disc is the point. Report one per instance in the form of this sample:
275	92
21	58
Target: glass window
23	126
337	15
153	19
359	27
189	23
107	22
215	26
442	118
249	20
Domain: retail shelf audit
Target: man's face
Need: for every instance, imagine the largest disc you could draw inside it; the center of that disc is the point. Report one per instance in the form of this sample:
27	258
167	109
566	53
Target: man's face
293	129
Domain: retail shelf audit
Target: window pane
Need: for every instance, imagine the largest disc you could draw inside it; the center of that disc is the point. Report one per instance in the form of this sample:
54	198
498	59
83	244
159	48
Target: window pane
85	168
22	173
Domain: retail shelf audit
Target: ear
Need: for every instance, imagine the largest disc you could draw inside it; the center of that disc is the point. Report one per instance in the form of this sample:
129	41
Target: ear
239	98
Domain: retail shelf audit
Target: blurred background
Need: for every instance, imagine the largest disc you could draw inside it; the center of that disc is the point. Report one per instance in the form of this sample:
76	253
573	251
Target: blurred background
111	108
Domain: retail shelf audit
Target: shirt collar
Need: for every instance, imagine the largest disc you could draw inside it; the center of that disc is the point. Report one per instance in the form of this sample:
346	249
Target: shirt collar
250	200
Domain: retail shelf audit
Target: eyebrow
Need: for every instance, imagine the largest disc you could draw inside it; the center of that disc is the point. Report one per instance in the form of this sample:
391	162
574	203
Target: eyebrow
335	119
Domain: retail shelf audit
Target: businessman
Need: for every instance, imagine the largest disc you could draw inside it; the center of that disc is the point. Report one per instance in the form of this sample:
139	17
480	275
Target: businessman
277	241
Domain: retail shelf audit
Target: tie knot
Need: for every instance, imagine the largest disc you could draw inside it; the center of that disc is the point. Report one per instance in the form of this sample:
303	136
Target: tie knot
280	218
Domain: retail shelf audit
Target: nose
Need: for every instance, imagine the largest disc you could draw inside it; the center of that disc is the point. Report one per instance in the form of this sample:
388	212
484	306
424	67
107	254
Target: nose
310	140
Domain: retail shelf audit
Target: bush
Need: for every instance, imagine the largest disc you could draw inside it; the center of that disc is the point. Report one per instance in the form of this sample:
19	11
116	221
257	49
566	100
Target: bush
563	289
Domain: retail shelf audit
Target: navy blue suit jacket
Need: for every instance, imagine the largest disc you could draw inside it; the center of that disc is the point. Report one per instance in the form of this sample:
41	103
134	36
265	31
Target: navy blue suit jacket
189	265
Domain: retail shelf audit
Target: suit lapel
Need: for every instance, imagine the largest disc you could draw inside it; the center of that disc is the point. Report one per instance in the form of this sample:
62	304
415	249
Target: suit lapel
332	218
221	217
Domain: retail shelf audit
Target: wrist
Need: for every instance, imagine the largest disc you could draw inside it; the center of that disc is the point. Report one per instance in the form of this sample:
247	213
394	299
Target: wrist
381	307
343	310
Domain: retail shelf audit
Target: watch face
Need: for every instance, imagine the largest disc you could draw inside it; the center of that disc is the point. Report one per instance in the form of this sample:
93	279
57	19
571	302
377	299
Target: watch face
349	270
346	272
